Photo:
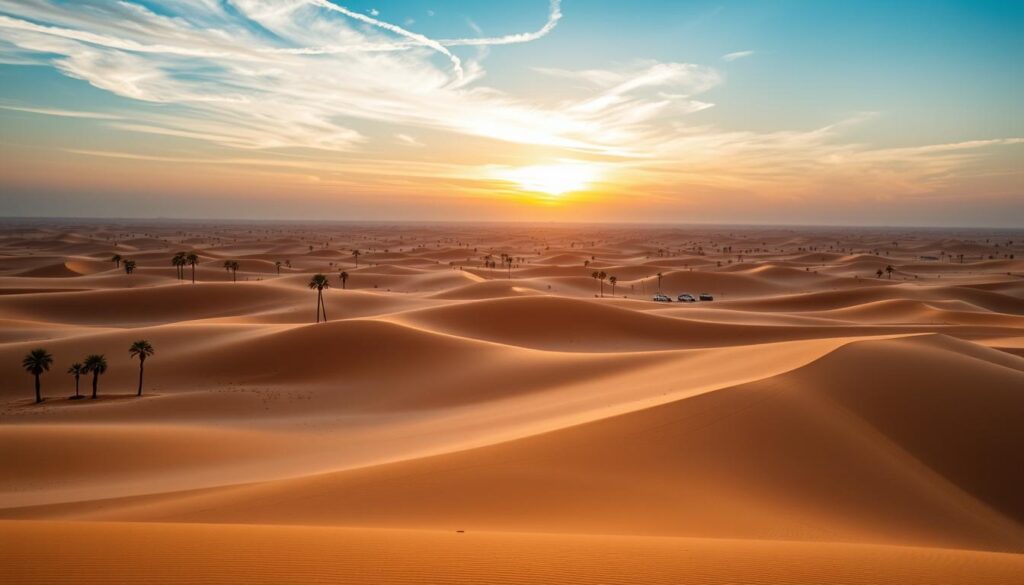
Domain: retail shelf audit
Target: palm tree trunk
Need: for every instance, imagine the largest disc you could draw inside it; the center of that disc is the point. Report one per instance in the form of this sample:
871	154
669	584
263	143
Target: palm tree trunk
193	274
39	396
95	380
76	385
141	362
317	306
323	305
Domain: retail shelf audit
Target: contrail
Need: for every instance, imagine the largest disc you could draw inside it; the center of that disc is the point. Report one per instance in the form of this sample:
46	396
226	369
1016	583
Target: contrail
554	15
418	38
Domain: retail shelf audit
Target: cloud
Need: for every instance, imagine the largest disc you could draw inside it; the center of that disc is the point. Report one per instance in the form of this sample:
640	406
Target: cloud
737	55
62	113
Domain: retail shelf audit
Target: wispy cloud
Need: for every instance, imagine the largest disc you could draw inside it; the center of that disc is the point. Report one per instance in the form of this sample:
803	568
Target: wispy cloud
737	55
62	113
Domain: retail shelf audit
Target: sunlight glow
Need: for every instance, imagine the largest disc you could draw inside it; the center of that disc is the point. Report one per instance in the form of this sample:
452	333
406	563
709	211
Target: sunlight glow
554	179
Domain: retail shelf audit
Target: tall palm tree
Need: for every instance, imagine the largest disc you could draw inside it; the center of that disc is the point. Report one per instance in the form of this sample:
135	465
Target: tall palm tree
344	278
612	280
595	275
890	270
508	260
356	254
601	276
277	265
96	364
659	282
178	262
232	265
36	362
192	260
129	266
116	259
319	282
76	370
142	349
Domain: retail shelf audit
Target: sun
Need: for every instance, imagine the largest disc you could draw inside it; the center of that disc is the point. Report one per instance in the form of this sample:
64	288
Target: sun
553	179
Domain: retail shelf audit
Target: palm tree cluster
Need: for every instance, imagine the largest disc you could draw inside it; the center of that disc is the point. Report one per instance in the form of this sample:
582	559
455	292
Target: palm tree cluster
38	361
600	276
232	267
181	260
320	282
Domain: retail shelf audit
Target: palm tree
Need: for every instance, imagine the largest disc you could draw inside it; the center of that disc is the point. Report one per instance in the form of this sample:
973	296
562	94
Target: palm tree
277	265
879	273
232	266
319	282
178	262
97	364
586	263
129	266
116	259
344	278
890	270
613	280
659	282
76	370
508	260
142	349
36	362
601	276
595	274
192	260
356	254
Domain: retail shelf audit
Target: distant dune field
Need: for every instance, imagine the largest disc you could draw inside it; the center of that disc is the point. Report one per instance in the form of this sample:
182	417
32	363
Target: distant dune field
480	408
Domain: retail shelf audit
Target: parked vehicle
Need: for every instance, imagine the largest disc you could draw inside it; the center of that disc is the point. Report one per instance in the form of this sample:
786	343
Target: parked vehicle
706	297
660	298
687	298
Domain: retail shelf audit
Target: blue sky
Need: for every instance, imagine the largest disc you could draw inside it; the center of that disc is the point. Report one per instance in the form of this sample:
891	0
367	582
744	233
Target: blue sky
777	111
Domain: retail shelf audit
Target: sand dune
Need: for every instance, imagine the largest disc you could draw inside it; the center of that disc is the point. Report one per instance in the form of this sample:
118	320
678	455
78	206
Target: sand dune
813	423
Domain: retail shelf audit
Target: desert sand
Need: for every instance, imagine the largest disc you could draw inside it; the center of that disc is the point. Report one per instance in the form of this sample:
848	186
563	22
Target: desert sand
455	421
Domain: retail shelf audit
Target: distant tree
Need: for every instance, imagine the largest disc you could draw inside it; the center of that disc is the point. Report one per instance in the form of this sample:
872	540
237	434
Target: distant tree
355	255
601	276
141	349
595	275
76	370
95	364
116	259
889	269
192	258
879	273
508	260
277	265
129	266
612	280
319	282
586	263
232	266
659	281
178	262
36	362
344	278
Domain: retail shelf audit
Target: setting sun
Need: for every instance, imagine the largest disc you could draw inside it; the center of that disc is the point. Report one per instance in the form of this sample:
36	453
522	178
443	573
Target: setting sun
554	179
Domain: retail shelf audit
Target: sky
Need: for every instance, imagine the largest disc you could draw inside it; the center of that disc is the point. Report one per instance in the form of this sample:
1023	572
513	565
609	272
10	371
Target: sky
885	112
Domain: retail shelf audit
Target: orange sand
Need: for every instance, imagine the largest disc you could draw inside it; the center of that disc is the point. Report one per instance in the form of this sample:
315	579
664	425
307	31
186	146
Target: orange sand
813	424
